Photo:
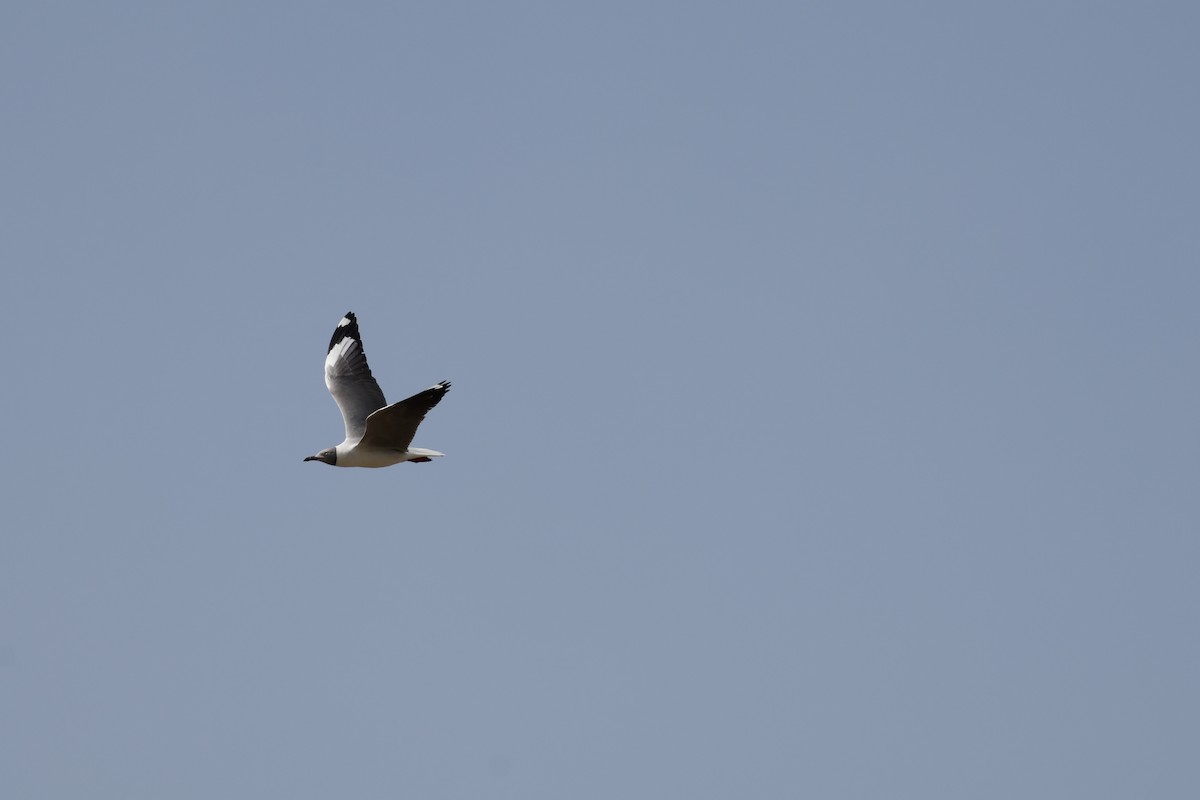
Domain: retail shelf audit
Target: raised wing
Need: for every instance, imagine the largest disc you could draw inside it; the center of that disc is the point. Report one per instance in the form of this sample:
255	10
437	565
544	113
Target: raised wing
349	378
394	427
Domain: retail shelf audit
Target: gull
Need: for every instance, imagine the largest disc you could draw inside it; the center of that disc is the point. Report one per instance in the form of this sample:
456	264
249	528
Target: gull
377	435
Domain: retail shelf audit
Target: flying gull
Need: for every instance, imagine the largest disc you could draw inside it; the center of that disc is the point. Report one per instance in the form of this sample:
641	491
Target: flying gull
377	435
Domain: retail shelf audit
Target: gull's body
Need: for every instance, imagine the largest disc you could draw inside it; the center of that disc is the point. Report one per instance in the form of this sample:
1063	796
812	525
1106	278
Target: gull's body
377	435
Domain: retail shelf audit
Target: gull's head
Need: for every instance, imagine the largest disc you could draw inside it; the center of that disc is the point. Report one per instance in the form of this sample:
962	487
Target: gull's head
328	455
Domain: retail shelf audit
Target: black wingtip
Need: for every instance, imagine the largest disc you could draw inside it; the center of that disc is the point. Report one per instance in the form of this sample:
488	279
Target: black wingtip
347	327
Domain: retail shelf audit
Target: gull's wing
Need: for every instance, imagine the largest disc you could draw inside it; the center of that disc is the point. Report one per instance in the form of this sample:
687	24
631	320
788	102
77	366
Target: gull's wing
393	427
349	378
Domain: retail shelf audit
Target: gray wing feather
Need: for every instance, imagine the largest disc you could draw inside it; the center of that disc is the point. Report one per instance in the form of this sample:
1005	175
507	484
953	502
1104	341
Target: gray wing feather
349	378
394	427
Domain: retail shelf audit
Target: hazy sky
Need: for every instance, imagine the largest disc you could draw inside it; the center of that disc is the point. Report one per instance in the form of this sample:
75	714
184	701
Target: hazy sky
825	409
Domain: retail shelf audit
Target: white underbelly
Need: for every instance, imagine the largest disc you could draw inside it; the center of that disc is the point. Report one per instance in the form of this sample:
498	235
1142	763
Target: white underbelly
358	457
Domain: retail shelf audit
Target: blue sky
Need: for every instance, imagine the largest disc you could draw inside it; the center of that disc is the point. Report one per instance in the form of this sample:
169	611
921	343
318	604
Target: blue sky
824	412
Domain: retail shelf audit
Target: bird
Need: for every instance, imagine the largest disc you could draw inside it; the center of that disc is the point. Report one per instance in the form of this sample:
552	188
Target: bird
377	435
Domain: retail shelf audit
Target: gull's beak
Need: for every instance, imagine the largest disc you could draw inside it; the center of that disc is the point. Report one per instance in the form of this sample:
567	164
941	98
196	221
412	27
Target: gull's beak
311	458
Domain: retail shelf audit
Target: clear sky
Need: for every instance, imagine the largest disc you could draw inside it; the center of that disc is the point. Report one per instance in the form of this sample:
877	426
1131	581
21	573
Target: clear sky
825	409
